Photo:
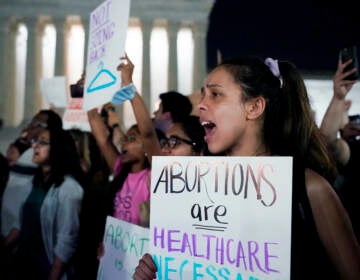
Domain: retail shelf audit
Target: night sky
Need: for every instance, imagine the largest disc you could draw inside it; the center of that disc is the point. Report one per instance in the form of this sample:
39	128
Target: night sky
309	33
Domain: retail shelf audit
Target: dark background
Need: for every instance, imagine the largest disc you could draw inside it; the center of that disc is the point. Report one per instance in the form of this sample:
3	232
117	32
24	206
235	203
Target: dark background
309	33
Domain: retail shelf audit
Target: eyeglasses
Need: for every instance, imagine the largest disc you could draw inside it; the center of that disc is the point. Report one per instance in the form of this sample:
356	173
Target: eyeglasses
128	139
39	142
174	141
38	123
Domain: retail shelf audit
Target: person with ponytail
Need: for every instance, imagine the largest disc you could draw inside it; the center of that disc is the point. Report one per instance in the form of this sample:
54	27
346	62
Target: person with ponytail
269	101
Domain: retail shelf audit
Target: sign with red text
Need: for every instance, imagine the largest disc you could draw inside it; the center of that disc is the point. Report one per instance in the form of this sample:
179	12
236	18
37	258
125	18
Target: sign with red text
124	244
221	217
107	34
74	117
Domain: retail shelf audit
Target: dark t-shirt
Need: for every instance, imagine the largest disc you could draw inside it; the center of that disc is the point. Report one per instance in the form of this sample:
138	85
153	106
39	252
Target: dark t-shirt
31	254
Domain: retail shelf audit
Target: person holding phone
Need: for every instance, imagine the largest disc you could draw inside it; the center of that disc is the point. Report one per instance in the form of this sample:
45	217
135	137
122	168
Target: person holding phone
345	149
350	54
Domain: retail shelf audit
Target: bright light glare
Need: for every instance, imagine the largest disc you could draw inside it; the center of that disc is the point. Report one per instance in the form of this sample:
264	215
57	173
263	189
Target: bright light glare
76	53
159	60
185	56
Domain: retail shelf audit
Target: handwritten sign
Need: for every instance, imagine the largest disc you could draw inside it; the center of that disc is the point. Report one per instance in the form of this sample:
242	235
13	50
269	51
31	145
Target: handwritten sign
75	117
54	91
124	244
221	217
107	34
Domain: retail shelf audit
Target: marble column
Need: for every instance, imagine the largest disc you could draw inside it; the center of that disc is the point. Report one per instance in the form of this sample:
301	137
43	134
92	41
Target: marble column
86	26
4	38
9	31
146	28
172	29
33	69
60	64
199	35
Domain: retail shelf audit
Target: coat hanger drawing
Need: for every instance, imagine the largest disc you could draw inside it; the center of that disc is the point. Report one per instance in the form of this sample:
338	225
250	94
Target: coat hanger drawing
102	71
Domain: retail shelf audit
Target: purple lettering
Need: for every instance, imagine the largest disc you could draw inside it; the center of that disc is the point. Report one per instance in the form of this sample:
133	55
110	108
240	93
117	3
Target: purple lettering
267	256
172	240
186	246
253	248
196	254
208	244
159	237
240	256
219	250
228	251
100	15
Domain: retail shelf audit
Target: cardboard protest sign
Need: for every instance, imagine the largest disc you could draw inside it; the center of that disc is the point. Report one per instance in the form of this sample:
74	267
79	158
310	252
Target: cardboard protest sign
54	91
107	34
221	217
124	244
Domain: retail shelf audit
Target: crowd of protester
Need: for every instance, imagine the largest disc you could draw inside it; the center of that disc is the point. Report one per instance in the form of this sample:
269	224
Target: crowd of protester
57	186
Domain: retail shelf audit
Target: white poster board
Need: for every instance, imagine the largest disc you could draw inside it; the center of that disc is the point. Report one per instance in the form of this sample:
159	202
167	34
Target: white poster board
221	217
107	34
124	245
54	91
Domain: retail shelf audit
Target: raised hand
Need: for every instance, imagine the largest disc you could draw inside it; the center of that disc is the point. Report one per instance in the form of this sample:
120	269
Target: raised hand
127	68
340	84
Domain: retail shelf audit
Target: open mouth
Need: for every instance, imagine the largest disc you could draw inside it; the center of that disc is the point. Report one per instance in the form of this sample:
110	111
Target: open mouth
210	128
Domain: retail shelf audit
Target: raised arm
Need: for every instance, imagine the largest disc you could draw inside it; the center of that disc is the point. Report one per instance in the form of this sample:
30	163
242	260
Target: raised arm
101	135
336	114
114	123
142	115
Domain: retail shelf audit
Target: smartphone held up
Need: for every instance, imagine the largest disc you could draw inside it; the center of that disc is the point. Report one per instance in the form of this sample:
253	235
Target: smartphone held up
350	53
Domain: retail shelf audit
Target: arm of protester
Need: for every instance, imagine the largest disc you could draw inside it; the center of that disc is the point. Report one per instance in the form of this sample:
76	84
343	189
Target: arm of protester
101	134
113	122
337	110
142	115
334	226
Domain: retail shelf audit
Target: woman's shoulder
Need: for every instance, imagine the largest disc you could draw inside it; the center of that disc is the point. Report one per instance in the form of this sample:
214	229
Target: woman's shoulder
315	182
70	185
318	188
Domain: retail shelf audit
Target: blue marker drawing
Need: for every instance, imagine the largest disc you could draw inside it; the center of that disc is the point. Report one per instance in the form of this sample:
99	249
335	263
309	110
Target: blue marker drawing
101	72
